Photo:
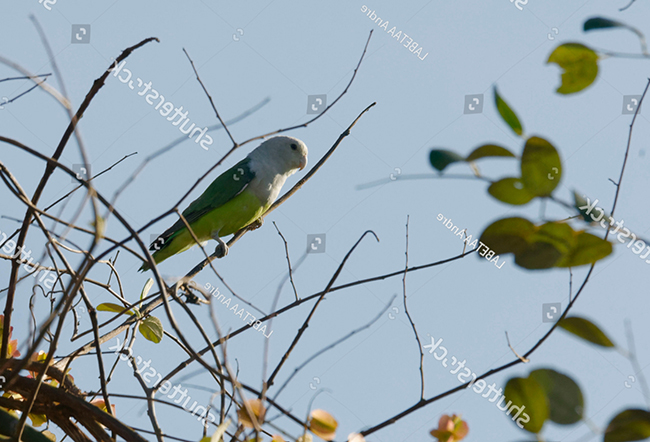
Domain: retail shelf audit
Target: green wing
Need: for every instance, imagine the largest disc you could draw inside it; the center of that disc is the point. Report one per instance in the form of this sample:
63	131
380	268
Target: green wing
227	186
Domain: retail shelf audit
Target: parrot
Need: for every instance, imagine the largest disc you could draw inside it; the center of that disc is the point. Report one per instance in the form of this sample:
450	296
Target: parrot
235	199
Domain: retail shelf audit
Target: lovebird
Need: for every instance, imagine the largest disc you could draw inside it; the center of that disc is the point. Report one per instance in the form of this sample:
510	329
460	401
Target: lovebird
235	199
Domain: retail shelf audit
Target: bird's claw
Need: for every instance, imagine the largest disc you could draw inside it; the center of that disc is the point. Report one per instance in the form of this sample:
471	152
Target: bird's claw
221	250
256	224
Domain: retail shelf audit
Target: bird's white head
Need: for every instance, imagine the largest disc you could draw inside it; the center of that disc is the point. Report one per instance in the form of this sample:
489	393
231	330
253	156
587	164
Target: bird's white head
290	152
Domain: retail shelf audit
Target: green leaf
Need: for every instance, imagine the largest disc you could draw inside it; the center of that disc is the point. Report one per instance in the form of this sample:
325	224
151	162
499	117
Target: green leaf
146	288
588	249
580	65
528	393
600	23
559	235
586	330
538	256
553	244
629	425
489	150
550	242
508	115
508	235
152	329
110	307
541	167
510	191
441	158
565	399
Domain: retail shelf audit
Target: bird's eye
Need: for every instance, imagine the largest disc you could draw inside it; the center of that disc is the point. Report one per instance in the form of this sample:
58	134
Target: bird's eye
294	146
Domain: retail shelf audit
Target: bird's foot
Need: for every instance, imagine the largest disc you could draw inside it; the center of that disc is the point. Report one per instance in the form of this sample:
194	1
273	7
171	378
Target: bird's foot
256	224
222	248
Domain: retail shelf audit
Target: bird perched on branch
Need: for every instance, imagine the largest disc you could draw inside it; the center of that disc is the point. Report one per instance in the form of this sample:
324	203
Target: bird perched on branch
237	198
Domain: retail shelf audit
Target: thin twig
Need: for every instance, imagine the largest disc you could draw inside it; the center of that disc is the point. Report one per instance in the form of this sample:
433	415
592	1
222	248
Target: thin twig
332	345
408	315
286	250
305	324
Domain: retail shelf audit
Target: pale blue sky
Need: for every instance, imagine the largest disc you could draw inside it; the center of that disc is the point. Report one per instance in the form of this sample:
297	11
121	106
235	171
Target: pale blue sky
287	51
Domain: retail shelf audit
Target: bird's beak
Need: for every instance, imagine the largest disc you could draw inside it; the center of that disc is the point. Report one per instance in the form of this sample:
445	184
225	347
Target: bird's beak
303	163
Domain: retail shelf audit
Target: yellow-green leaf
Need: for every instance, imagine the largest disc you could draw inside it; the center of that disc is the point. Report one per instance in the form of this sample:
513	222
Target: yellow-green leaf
508	235
152	329
528	393
588	249
580	65
510	191
541	167
508	115
37	419
586	330
489	150
146	288
629	425
560	235
323	424
110	307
